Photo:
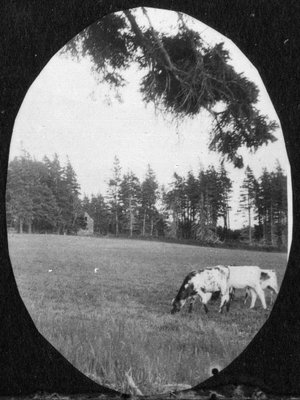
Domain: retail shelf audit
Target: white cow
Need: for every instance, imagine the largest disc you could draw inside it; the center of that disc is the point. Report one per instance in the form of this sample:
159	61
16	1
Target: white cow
247	276
268	280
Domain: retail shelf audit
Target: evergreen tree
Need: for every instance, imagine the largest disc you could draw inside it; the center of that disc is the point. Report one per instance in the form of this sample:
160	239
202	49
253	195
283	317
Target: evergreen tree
192	191
265	201
45	208
55	183
197	203
200	229
249	189
175	202
30	201
209	203
183	75
224	188
18	200
114	192
130	197
71	204
213	197
86	204
280	205
149	196
272	206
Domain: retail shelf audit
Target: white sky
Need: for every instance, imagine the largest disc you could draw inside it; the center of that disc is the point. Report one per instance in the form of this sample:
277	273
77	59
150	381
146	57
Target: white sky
67	113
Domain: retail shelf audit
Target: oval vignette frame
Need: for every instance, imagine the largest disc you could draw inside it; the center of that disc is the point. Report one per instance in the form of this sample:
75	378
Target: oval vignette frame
245	31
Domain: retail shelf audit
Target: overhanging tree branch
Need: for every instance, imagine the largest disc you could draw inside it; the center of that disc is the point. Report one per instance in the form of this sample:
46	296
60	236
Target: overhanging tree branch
182	77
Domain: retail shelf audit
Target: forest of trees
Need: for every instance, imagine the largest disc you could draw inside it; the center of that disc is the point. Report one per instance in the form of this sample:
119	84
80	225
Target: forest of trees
265	200
44	197
182	76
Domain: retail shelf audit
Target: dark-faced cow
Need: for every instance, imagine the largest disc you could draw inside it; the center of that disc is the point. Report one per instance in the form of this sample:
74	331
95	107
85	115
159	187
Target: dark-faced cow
203	283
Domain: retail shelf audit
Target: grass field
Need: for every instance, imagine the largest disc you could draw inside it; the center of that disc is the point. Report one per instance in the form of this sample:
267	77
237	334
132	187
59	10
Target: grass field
118	320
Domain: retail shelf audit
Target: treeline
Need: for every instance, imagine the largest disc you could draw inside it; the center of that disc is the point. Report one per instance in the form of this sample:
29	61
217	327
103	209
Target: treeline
196	203
130	207
43	196
264	200
189	208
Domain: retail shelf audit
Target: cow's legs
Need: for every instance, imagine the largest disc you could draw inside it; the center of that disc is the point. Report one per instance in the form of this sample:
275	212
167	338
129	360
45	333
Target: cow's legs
191	305
223	303
260	293
231	293
247	294
228	304
205	297
272	292
225	297
253	297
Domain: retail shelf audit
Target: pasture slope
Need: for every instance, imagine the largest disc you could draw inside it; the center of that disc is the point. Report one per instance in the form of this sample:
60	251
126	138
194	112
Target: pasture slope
118	320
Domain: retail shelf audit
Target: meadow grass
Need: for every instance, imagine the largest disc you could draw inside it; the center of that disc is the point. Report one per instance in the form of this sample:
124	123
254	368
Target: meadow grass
118	320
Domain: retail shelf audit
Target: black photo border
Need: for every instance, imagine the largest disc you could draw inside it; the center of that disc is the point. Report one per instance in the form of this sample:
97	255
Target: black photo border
266	31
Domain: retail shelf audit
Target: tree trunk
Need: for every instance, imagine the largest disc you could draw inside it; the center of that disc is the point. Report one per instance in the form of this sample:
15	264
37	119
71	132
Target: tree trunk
249	218
117	222
21	225
228	217
130	218
225	226
144	223
280	230
271	225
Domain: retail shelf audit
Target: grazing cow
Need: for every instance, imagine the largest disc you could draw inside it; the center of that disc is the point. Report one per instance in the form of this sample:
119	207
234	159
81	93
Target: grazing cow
243	277
268	280
203	283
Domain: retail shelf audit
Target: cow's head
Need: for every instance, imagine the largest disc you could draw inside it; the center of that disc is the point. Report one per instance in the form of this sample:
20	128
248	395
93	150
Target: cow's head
186	291
177	305
269	280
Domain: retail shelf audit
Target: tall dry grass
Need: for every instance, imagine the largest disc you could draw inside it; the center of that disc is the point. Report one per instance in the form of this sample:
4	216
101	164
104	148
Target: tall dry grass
157	351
